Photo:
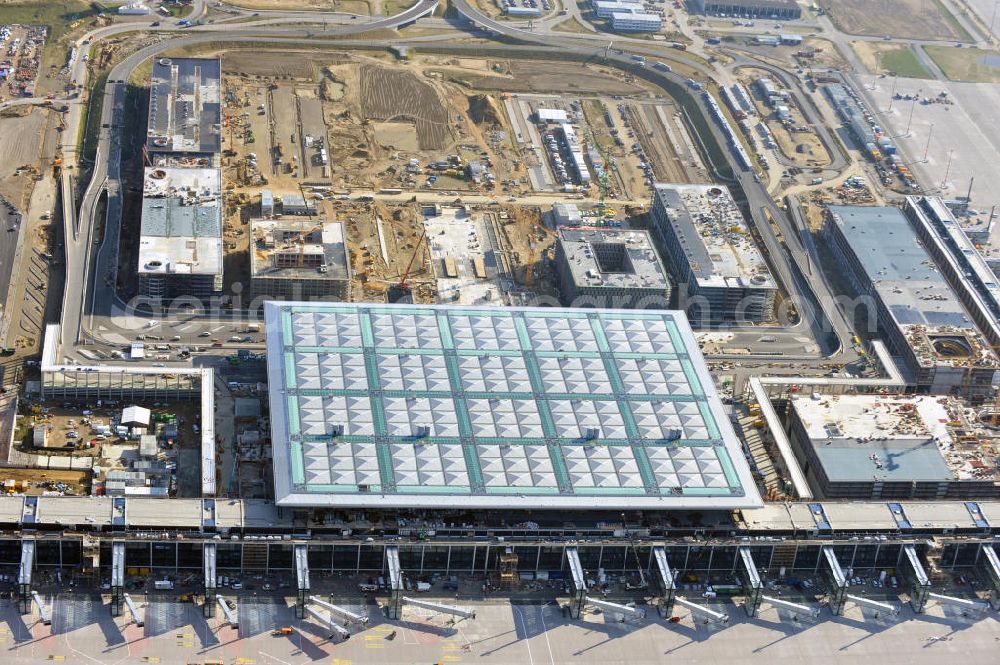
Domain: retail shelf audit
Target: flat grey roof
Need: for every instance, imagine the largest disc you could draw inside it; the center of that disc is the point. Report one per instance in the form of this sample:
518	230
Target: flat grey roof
714	236
640	266
181	228
917	296
900	267
185	114
889	437
439	407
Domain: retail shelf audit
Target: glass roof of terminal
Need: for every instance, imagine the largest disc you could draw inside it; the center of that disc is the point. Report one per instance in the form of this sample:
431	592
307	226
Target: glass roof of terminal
505	406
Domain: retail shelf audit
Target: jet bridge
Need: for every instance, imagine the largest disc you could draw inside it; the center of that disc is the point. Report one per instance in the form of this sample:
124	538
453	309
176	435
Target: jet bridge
989	562
327	620
351	617
836	580
665	580
211	577
24	573
964	604
879	607
117	578
918	583
750	579
579	585
229	612
797	609
395	609
133	610
624	610
43	610
438	607
579	597
701	611
302	579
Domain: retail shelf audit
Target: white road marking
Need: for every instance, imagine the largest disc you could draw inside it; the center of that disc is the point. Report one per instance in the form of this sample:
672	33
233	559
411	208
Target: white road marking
524	629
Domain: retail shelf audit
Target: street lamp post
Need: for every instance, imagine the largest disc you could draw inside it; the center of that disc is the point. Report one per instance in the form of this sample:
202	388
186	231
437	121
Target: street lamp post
913	105
947	169
927	147
993	19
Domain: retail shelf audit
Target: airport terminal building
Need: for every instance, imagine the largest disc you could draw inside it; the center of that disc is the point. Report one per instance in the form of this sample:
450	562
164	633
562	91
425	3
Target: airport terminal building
923	318
868	447
430	407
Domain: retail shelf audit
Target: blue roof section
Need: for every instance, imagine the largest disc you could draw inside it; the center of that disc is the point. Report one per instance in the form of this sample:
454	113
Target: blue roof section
905	460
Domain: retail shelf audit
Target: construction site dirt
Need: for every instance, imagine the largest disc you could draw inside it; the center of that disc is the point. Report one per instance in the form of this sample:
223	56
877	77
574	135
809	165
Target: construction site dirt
339	128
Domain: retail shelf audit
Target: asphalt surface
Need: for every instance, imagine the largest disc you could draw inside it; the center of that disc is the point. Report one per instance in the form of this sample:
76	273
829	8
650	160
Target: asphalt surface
8	243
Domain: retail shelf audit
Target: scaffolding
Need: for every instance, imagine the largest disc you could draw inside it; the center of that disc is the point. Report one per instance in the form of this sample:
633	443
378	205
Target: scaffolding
508	568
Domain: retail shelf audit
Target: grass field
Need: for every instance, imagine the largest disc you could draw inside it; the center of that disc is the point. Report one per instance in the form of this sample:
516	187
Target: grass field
905	19
903	61
572	25
883	57
349	6
393	7
58	15
966	64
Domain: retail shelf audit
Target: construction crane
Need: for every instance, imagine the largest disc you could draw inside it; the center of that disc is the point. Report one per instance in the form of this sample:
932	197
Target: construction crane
529	267
604	182
399	291
416	248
